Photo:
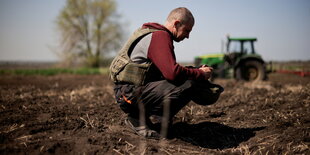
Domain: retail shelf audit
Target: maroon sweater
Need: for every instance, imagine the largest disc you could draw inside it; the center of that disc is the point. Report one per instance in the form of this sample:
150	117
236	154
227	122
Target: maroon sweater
161	53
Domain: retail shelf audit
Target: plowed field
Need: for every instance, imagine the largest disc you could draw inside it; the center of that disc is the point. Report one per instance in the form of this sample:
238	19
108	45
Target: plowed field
76	114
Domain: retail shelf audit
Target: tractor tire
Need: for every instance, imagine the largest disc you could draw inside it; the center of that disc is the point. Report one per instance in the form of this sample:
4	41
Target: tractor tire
251	71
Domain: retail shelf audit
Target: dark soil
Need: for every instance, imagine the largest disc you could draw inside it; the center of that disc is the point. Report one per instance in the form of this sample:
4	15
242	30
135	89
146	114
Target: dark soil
77	114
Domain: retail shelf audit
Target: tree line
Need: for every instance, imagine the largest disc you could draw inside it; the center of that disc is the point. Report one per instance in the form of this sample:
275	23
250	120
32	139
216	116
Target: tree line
89	31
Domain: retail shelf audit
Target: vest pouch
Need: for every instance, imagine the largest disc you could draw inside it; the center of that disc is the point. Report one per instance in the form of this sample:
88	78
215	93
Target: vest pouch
117	65
134	73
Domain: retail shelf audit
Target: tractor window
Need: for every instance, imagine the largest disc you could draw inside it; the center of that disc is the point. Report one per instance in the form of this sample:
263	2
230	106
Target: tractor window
247	48
234	46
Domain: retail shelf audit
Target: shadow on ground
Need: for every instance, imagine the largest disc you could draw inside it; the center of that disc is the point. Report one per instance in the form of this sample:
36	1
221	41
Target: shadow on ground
213	135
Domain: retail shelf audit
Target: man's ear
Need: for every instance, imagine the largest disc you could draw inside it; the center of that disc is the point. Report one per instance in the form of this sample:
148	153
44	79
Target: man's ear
177	23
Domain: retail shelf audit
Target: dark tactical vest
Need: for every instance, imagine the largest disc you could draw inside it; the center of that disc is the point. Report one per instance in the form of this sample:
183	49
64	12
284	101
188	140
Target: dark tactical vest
124	70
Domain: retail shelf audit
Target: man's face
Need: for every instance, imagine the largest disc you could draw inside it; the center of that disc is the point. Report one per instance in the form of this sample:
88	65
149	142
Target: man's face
182	31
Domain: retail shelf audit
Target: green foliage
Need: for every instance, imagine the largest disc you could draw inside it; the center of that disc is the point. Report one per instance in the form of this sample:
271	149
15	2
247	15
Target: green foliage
54	71
89	30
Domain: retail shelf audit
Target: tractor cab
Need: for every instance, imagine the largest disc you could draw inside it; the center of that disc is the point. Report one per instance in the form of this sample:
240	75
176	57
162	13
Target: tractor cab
241	45
238	48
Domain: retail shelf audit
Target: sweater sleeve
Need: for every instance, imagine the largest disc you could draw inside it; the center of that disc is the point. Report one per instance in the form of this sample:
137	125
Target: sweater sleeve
161	53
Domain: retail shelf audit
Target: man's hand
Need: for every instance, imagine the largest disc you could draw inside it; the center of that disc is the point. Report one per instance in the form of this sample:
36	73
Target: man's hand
207	70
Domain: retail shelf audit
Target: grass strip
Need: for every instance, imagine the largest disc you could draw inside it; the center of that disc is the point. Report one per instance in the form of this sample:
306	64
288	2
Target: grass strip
54	71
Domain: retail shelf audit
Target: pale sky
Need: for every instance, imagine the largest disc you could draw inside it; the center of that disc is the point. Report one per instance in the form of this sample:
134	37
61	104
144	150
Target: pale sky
28	30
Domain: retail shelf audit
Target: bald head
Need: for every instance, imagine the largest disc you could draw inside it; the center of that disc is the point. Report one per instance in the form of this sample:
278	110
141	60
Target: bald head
181	14
180	22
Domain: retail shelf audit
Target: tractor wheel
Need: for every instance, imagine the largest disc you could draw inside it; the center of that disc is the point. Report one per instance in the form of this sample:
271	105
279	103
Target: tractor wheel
251	71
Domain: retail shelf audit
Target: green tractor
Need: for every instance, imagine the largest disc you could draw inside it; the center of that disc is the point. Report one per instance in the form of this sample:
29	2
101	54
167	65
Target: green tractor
240	62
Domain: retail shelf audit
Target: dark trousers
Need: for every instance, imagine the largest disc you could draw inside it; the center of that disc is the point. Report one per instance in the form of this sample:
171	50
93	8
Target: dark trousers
156	97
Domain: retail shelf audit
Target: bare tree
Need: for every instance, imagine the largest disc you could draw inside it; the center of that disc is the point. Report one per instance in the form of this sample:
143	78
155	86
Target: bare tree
89	30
